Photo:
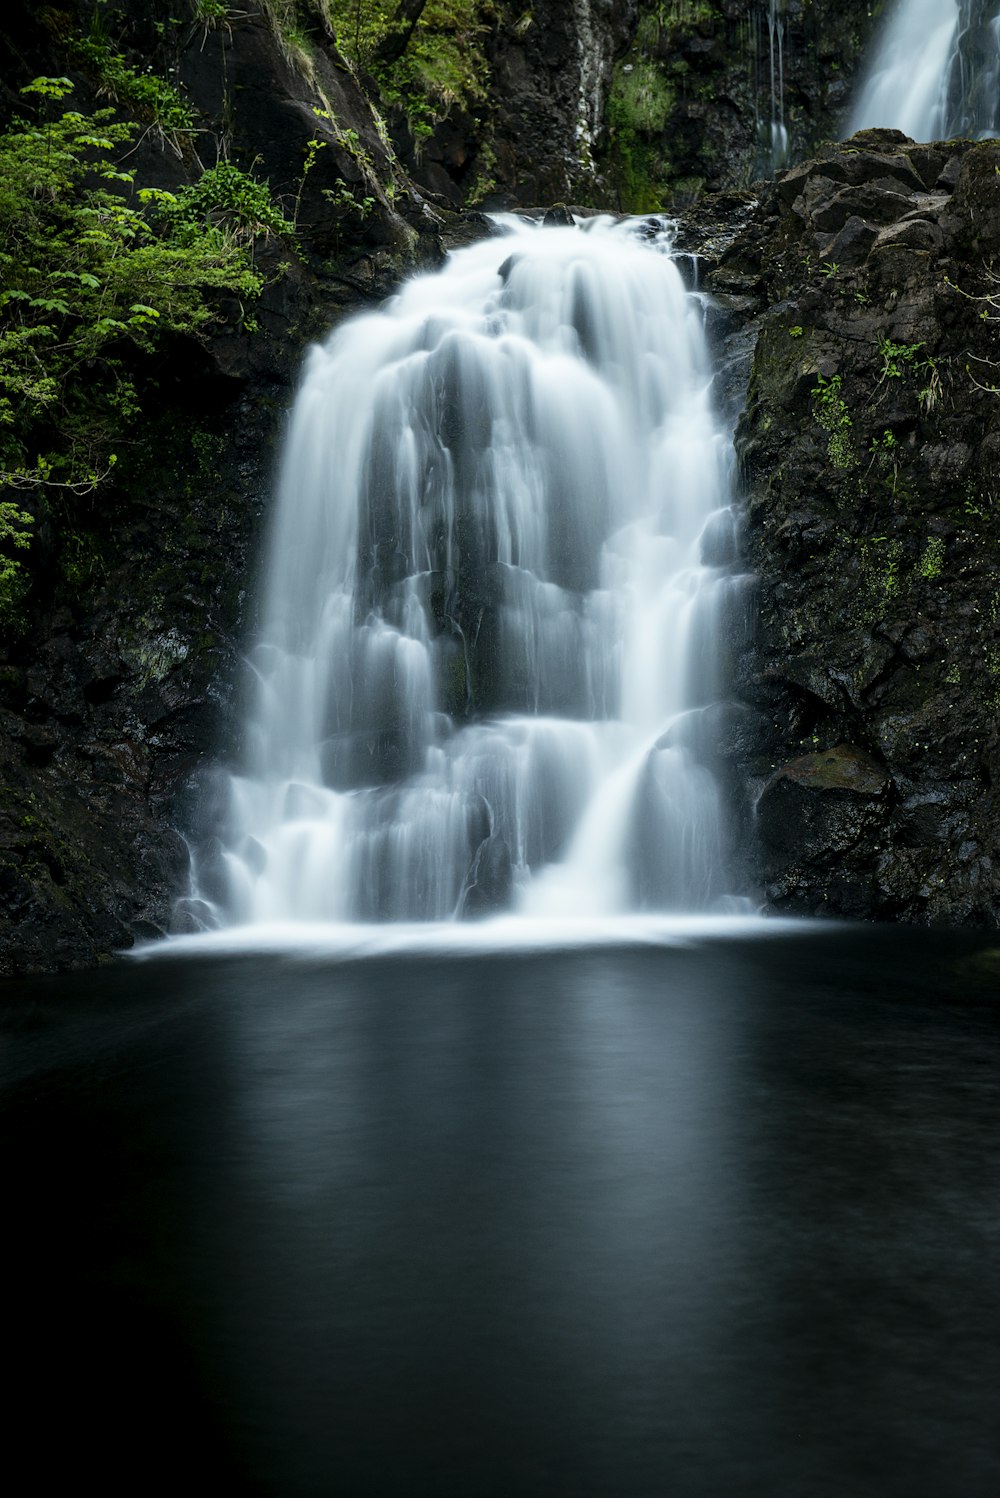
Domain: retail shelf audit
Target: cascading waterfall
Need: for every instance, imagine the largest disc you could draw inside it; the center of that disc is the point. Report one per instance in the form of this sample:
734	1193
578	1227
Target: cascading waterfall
936	71
500	567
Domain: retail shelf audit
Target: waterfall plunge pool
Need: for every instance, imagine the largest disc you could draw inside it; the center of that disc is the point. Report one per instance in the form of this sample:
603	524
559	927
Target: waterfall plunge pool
714	1219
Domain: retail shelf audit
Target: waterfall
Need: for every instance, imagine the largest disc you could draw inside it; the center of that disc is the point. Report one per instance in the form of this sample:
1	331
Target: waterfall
936	71
776	61
766	18
500	573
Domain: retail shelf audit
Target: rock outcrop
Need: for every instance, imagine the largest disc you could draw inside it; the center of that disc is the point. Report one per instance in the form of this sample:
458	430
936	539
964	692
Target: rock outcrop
870	450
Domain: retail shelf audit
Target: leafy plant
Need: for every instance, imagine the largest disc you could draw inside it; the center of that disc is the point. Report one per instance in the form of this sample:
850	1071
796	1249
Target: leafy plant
228	198
92	283
427	58
830	410
147	95
932	562
900	359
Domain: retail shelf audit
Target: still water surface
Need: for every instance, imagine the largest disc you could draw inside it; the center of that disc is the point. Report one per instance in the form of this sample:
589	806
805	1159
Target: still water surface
719	1220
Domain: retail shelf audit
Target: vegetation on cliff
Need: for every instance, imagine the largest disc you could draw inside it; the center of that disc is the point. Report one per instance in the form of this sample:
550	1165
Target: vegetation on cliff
427	56
870	447
714	94
93	280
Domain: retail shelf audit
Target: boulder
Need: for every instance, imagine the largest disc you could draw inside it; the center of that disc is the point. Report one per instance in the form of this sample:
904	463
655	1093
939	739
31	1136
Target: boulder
490	879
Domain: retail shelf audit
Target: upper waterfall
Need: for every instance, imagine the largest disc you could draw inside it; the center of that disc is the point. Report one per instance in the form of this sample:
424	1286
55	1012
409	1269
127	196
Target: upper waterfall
499	569
936	71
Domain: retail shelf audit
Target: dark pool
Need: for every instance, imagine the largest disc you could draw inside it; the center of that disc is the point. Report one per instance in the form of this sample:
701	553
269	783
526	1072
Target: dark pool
715	1221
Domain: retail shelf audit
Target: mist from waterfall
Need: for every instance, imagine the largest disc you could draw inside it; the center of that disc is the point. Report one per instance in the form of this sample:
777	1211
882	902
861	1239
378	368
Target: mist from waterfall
501	570
935	73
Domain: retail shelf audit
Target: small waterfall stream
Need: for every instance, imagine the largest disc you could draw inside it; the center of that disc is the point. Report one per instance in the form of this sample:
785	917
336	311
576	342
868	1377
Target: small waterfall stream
501	563
765	43
935	72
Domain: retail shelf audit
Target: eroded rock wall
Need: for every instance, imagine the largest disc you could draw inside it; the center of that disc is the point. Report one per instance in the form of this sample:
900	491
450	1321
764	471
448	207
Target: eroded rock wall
552	73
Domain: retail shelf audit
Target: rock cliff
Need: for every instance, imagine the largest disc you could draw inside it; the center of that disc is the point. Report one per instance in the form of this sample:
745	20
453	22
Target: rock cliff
870	450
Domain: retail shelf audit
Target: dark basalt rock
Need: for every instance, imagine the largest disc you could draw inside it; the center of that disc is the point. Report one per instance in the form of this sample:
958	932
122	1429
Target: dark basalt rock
820	805
691	99
870	452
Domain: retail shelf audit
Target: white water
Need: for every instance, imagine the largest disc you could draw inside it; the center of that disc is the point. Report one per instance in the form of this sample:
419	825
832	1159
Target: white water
936	71
766	19
489	627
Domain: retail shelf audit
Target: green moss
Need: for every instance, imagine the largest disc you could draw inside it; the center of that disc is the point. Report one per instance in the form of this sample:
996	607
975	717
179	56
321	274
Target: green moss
931	563
830	410
638	156
640	98
881	560
443	64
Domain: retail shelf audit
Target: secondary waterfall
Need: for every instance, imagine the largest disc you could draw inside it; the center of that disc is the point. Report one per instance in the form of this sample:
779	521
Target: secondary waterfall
500	566
936	71
768	17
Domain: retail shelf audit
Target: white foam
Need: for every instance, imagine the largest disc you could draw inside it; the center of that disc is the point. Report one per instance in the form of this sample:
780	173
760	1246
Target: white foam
503	935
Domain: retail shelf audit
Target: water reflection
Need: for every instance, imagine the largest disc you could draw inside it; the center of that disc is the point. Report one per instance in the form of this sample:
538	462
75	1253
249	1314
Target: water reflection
718	1221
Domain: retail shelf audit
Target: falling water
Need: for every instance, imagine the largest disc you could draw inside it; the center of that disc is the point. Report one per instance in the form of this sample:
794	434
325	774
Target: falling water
776	59
500	566
767	18
936	71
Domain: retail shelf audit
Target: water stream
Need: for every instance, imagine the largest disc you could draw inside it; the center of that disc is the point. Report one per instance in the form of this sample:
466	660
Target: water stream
501	567
935	73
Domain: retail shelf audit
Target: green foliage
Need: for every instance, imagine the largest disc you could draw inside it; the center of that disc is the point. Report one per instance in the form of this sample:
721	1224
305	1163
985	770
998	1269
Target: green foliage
885	455
146	95
931	563
796	332
92	281
637	160
830	410
444	64
15	534
900	360
880	571
227	198
641	98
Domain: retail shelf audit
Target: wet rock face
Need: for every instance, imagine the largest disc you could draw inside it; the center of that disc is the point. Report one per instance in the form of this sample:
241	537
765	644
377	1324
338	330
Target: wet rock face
870	449
714	94
490	881
551	77
811	813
